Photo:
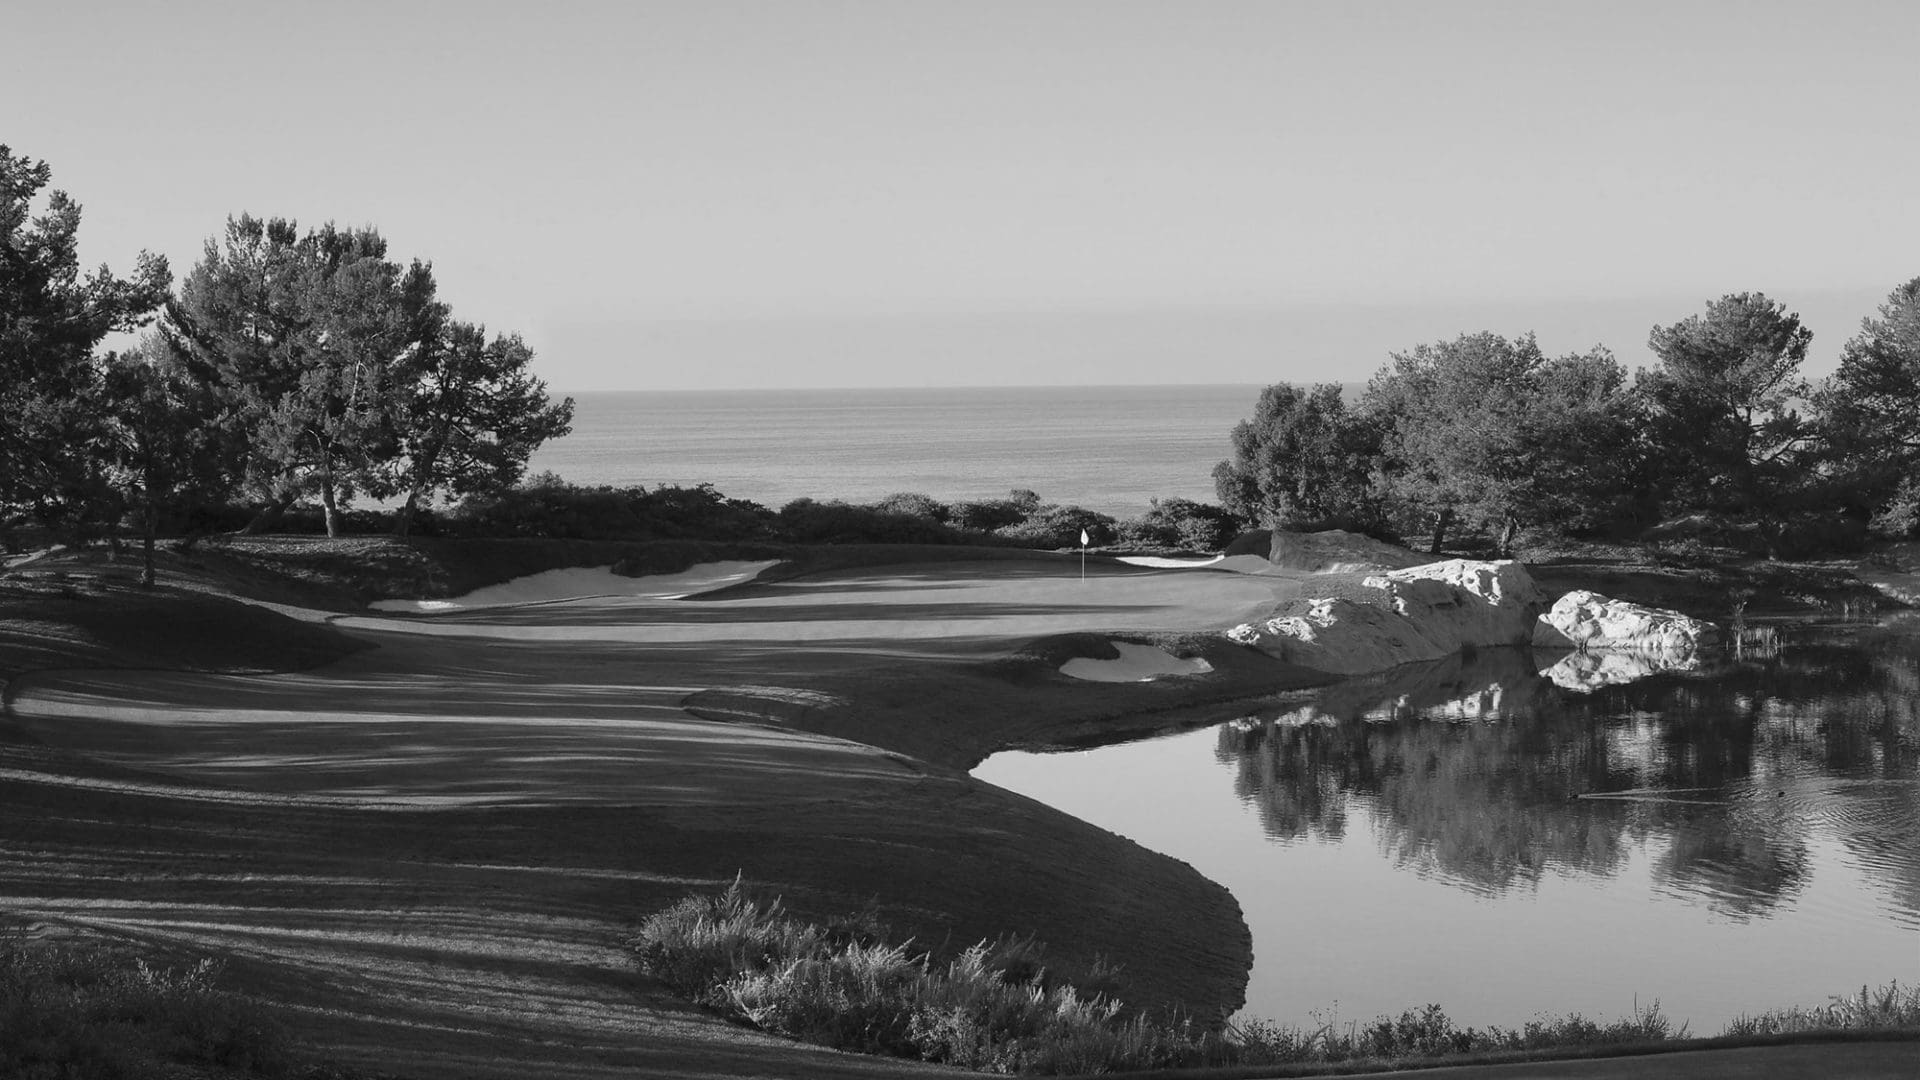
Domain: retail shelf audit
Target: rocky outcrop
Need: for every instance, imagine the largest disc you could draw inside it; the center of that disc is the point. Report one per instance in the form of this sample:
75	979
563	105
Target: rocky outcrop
1591	622
1417	613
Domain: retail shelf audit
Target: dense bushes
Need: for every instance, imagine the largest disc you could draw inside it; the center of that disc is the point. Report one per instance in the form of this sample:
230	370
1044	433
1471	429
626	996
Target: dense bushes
1182	524
809	522
547	507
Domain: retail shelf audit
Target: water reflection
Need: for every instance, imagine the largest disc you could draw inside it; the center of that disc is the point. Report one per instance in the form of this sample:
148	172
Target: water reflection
1564	765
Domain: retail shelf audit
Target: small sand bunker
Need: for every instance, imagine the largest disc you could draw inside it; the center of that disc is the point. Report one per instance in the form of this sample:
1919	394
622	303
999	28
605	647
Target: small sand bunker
1239	564
1136	663
1166	562
580	583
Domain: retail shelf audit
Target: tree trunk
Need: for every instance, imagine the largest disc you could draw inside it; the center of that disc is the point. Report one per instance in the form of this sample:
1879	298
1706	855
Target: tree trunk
1507	532
268	515
327	502
1440	522
403	518
146	545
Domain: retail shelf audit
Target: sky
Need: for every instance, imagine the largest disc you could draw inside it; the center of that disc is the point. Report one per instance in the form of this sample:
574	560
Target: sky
708	193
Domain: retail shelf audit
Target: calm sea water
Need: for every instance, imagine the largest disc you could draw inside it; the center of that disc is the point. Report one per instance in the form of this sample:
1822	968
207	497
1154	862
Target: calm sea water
1473	833
1108	448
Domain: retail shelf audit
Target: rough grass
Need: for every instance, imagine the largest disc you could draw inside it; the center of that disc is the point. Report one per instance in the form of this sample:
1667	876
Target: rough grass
80	1016
1429	1033
1890	1006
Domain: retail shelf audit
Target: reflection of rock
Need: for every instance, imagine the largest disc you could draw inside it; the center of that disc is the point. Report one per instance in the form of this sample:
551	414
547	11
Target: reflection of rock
1585	672
1489	684
1418	613
1587	620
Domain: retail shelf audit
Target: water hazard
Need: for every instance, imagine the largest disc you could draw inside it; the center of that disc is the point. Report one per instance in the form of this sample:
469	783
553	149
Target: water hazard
1512	834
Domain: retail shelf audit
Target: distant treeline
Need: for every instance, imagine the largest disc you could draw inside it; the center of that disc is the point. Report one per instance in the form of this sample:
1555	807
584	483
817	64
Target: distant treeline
547	507
1490	436
291	367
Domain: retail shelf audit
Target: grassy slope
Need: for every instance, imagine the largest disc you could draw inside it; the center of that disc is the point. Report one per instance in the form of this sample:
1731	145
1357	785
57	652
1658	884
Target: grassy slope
402	924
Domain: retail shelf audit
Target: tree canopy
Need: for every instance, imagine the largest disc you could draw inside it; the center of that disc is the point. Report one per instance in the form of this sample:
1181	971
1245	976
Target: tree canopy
304	335
1302	461
1491	433
468	414
52	318
1725	399
1870	407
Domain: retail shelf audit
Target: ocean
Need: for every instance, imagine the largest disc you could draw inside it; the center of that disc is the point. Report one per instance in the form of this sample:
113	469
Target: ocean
1107	448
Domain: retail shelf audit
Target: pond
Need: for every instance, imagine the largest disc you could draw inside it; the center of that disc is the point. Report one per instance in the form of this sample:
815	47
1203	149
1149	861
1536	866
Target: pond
1738	835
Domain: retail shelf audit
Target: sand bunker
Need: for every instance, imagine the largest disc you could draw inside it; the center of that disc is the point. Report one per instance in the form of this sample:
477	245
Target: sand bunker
1137	663
1164	562
579	583
1239	564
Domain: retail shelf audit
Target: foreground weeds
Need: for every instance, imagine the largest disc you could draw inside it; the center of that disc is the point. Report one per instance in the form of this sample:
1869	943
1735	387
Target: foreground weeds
1429	1033
1892	1006
83	1016
995	1007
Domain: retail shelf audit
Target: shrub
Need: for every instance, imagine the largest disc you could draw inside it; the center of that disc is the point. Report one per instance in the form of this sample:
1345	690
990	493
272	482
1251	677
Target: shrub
699	944
809	522
913	504
1060	526
994	514
985	516
548	507
1899	519
856	997
1182	524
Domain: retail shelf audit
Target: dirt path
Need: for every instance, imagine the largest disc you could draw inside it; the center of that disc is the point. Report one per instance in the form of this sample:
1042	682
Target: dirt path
434	847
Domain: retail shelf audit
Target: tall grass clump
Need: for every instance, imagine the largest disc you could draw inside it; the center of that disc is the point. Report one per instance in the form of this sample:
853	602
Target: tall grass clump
1429	1033
1890	1006
993	1008
88	1016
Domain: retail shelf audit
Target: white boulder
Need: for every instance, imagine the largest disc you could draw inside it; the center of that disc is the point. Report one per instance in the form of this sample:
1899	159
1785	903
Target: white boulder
1417	613
1589	621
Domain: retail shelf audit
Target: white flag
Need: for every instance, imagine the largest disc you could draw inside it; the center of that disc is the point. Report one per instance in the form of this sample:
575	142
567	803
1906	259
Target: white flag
1083	538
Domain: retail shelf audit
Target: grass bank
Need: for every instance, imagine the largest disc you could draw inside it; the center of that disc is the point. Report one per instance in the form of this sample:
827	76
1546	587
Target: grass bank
996	1007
